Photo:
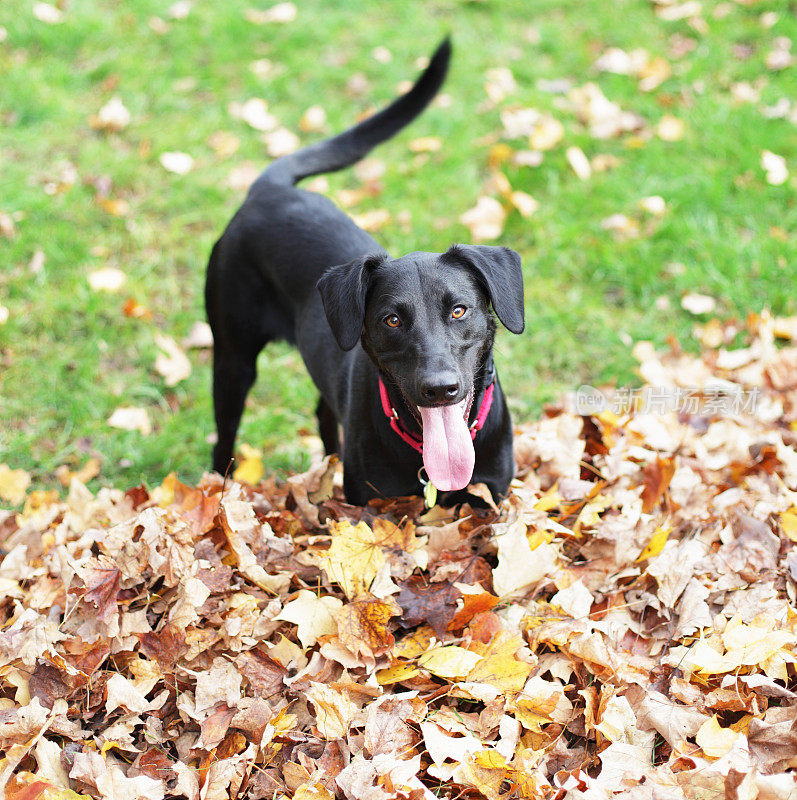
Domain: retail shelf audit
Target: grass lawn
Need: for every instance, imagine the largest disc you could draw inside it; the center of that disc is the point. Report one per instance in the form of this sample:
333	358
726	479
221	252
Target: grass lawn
76	199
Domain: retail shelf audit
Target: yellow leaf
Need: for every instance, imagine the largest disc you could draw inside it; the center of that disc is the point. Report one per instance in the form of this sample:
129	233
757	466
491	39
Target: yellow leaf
485	771
551	499
314	791
414	644
499	153
250	466
39	499
715	740
579	163
88	471
498	666
334	709
115	206
701	657
656	543
788	522
284	721
547	133
654	73
755	644
109	745
426	144
396	674
540	703
450	661
313	119
354	557
13	483
538	538
589	516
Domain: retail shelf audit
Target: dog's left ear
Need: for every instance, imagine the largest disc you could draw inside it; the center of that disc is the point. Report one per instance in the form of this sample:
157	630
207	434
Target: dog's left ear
499	270
343	289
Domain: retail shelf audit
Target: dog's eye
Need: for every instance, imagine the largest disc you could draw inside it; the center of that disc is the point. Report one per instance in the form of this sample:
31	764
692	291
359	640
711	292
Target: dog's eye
458	312
392	321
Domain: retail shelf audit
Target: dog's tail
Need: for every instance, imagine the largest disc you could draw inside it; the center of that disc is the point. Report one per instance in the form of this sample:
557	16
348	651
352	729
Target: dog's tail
350	146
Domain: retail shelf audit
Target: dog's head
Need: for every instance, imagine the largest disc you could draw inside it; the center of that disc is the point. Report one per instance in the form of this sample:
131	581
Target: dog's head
425	321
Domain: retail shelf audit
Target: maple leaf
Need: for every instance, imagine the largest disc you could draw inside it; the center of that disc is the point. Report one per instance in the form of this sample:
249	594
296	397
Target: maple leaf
475	601
110	781
386	728
355	557
499	665
30	787
102	579
166	646
334	710
48	684
541	702
519	567
363	625
315	616
714	740
450	661
435	603
485	771
121	692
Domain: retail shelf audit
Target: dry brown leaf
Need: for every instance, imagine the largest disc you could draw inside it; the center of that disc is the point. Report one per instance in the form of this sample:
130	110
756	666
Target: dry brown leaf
485	220
172	363
281	142
335	711
129	418
13	484
280	14
107	279
177	162
112	117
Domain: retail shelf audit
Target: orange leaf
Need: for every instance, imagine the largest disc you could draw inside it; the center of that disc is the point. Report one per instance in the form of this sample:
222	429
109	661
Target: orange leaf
473	604
657	478
363	625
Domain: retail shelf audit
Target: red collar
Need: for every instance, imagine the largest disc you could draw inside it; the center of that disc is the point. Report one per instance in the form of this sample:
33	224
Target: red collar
411	439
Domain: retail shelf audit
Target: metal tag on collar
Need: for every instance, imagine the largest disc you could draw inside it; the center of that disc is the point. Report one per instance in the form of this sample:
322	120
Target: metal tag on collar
429	489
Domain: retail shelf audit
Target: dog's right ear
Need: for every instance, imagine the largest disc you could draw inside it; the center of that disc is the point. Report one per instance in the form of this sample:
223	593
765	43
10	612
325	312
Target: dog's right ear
343	290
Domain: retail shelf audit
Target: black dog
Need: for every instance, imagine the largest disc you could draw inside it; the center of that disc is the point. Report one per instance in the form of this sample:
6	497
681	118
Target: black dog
400	349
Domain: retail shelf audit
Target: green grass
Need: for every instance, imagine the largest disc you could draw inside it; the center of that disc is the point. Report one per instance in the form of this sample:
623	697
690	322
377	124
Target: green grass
69	356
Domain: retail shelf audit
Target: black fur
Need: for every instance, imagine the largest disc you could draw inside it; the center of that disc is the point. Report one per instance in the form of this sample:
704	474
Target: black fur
261	286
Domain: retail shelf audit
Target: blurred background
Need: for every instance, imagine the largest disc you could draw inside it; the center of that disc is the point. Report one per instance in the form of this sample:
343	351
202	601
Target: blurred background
639	155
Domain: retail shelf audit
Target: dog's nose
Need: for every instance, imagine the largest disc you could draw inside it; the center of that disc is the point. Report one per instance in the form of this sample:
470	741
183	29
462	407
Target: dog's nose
442	388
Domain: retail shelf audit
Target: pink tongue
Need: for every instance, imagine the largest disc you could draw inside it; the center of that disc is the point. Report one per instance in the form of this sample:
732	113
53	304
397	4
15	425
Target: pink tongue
447	447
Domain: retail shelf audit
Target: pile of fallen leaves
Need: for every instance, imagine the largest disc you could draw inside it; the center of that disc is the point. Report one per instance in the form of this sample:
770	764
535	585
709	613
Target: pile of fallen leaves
623	625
